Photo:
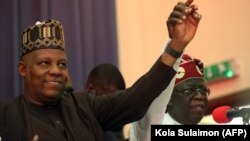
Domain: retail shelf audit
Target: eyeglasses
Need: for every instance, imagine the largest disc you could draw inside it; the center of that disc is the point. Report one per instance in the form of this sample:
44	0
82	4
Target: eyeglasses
204	90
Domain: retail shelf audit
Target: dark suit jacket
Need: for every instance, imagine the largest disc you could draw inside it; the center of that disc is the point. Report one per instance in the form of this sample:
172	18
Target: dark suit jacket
86	116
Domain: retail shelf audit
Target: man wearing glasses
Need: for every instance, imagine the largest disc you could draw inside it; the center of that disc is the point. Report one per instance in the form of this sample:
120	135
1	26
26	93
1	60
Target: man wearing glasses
189	100
186	99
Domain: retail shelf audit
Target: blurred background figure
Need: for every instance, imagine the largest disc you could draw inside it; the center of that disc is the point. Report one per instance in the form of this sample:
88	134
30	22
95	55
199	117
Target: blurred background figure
104	79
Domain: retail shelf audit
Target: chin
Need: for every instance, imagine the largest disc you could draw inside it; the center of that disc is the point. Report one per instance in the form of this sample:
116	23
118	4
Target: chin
195	118
52	95
51	100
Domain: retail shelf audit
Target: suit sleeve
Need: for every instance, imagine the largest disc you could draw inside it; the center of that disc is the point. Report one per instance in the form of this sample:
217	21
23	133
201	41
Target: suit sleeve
131	105
140	130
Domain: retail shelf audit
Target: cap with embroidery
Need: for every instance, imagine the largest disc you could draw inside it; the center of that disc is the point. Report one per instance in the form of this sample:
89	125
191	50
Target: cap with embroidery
189	68
46	34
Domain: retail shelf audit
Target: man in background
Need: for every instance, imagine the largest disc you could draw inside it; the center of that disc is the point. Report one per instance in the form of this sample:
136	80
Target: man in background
105	79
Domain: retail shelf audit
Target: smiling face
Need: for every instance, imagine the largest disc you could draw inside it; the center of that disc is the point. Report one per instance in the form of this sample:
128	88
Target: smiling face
189	100
45	74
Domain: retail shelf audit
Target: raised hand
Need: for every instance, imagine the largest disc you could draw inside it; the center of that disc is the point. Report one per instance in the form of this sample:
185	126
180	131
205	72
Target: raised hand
183	22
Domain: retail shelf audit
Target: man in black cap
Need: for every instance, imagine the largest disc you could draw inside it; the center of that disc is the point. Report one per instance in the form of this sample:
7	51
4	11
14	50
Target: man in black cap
46	113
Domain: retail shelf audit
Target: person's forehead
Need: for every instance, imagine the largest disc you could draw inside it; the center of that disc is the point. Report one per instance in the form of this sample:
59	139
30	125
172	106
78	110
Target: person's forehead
192	82
49	53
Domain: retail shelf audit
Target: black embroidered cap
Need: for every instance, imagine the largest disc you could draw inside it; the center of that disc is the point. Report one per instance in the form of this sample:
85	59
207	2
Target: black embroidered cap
46	34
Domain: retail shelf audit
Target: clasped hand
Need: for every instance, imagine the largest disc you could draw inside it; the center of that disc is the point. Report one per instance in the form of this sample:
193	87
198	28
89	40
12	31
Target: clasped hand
183	22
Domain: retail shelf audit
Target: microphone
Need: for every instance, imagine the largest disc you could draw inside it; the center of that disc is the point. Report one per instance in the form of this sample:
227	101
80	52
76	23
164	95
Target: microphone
225	114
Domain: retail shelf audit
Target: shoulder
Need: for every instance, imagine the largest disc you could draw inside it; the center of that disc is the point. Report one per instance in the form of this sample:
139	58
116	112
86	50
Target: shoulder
7	106
4	103
80	98
83	96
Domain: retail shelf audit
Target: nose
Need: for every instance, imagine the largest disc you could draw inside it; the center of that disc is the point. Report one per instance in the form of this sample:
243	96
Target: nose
199	92
200	95
54	70
203	91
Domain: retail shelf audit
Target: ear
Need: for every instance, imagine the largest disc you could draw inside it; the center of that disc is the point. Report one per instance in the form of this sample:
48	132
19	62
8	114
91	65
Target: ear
22	69
90	88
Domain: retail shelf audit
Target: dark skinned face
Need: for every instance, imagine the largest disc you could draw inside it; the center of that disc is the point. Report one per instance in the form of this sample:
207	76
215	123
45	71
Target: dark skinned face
45	73
189	100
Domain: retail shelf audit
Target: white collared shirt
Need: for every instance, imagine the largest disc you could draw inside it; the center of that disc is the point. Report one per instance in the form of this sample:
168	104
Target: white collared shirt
169	120
141	130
